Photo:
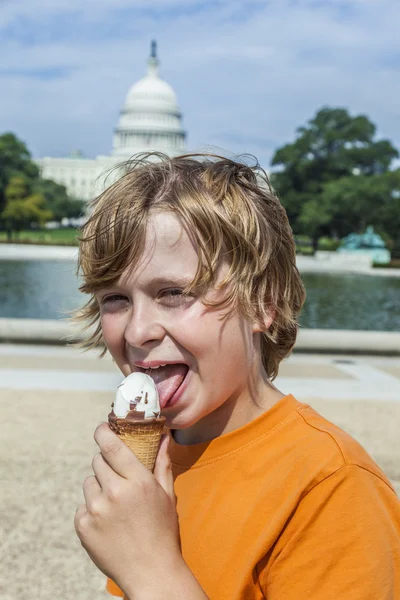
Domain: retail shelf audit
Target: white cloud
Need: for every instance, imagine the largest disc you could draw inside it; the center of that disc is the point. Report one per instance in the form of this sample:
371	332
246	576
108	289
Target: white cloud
245	79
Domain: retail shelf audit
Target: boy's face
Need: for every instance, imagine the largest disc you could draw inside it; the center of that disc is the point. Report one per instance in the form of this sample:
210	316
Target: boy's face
145	318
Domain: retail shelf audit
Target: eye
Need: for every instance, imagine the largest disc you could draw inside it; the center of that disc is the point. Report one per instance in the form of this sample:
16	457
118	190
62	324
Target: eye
113	298
174	297
172	292
114	302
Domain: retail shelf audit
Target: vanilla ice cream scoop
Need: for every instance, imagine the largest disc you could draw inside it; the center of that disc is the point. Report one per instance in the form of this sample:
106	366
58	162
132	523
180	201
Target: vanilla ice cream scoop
137	392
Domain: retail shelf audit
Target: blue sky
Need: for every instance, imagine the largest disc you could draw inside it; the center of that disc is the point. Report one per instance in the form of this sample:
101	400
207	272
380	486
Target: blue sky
246	73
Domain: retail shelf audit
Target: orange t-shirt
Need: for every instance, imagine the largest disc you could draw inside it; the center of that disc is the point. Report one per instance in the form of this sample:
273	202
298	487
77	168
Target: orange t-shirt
287	507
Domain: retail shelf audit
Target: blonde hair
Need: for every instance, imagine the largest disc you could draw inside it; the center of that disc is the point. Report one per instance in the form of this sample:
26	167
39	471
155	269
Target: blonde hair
232	214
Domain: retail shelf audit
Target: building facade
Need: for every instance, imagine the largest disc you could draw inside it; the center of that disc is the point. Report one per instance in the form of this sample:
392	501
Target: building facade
149	120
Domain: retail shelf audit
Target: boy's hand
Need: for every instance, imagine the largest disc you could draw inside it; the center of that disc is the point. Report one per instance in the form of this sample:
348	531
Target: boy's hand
129	524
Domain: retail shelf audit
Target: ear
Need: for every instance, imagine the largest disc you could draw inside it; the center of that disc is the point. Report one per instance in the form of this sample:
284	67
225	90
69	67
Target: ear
259	327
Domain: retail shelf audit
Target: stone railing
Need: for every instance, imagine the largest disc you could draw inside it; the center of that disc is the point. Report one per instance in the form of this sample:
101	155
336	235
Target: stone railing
35	331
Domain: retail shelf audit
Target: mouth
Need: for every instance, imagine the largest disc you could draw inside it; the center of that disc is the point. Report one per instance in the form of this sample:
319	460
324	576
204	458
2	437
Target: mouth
168	378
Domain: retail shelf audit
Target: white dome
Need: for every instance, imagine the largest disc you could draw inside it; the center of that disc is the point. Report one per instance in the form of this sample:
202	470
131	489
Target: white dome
150	118
151	91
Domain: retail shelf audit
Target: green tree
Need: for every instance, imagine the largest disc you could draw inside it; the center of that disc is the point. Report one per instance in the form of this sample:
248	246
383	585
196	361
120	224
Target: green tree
16	162
23	209
58	201
333	154
17	188
15	159
314	218
388	210
356	201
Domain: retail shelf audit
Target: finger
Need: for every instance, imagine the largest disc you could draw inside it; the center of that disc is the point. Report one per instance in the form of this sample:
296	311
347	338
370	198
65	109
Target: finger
80	512
91	490
103	472
163	468
120	458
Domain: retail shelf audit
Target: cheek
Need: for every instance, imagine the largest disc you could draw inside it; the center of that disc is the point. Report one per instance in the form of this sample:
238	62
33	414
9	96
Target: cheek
199	332
113	332
220	343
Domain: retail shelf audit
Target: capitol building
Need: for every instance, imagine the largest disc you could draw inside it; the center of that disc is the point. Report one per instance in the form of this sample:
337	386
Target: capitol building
149	120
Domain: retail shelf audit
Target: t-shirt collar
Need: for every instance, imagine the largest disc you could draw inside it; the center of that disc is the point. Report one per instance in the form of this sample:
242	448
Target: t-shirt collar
204	452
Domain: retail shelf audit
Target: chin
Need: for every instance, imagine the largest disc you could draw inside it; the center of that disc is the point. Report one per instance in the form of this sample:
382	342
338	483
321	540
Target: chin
180	422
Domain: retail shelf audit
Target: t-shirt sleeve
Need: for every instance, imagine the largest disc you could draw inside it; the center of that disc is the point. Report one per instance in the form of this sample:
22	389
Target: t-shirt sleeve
113	589
343	541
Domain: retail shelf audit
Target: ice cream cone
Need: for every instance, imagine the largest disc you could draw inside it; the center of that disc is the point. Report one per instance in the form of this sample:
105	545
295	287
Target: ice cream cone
142	436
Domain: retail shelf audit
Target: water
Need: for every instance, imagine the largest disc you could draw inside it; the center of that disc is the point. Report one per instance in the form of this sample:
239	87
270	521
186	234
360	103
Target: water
38	289
49	290
346	301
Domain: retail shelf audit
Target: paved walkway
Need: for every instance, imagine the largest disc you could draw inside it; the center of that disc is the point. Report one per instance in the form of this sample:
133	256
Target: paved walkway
52	398
307	376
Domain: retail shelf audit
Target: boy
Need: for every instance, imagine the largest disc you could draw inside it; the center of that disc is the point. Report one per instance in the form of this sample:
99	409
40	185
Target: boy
190	263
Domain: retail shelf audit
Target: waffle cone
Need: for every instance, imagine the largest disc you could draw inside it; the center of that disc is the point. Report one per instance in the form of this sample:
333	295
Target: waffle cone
142	437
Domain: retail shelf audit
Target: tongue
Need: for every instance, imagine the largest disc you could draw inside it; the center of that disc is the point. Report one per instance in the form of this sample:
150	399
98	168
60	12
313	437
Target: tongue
167	380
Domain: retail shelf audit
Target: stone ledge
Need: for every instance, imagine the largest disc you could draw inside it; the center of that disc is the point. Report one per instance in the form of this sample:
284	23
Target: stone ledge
340	341
36	252
36	331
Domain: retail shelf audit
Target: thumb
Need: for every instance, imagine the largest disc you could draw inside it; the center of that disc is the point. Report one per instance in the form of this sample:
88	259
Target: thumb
163	469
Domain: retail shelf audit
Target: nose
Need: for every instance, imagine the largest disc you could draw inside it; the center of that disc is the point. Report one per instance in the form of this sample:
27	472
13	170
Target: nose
144	326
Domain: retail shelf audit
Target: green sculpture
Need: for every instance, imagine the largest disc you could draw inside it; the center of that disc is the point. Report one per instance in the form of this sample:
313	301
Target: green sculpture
370	243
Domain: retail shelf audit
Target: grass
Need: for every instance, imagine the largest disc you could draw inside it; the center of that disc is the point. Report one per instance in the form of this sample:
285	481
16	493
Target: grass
394	264
54	237
304	251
